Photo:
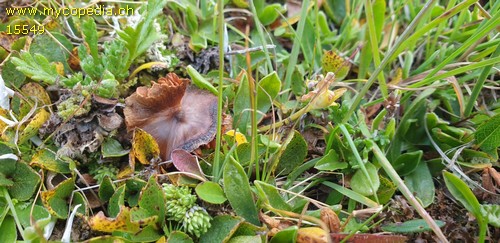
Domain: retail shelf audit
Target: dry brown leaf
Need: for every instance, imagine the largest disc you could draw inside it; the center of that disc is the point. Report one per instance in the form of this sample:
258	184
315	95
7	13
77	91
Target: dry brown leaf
331	219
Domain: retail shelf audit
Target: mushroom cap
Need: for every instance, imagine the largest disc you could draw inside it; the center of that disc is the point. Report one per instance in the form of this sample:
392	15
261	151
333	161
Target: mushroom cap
177	115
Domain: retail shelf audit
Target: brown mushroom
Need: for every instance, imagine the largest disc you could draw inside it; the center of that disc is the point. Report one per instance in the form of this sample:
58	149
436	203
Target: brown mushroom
176	114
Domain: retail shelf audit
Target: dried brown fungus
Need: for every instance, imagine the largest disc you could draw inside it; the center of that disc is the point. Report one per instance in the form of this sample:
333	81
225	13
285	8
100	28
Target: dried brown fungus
176	114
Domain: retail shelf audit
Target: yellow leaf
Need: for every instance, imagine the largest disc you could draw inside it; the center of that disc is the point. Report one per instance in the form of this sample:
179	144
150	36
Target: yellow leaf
125	172
312	235
397	77
56	199
35	95
35	91
3	125
144	148
241	3
122	222
162	240
333	62
238	136
60	68
32	128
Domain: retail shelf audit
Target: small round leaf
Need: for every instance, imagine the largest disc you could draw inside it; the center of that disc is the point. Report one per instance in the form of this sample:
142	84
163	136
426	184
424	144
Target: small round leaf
210	192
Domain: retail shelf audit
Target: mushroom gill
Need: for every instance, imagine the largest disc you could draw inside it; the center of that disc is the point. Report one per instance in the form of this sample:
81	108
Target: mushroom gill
176	114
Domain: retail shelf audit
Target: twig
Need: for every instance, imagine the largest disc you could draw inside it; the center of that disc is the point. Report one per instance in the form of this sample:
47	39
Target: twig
251	49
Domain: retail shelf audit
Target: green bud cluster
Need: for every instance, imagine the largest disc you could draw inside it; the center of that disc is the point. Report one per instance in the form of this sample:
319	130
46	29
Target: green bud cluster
179	201
99	172
182	207
196	221
71	107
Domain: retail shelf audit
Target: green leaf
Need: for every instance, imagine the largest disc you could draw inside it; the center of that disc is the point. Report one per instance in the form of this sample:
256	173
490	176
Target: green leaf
72	80
179	237
8	165
111	148
286	235
330	162
270	13
140	38
106	189
147	234
55	48
488	134
8	231
25	182
36	67
152	200
359	182
13	78
78	198
55	200
416	107
223	227
26	213
421	185
386	190
412	226
134	187
191	20
116	201
463	193
241	105
32	234
238	192
267	90
108	86
4	181
294	154
492	214
89	30
46	159
336	10
246	239
247	228
210	192
89	65
113	59
269	194
198	41
379	17
407	162
200	81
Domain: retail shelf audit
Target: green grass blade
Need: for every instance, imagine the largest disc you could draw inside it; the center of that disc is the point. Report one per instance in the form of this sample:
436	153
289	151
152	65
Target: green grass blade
370	18
387	58
479	84
358	159
217	168
292	61
480	33
352	194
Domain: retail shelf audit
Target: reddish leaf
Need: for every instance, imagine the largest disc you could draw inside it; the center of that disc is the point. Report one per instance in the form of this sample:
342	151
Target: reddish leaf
185	162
